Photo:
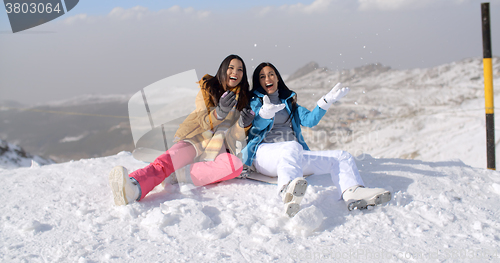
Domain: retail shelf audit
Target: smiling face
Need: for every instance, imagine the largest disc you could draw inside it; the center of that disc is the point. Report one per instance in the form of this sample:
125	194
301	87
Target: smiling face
268	80
234	73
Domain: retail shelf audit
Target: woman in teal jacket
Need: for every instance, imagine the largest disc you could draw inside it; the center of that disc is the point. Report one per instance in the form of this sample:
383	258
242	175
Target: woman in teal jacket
277	148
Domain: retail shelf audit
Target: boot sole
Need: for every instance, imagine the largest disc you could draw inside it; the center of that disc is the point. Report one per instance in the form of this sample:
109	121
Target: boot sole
117	183
291	209
376	200
294	196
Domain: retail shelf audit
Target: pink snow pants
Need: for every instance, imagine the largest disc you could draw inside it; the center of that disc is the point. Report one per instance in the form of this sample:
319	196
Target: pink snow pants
226	166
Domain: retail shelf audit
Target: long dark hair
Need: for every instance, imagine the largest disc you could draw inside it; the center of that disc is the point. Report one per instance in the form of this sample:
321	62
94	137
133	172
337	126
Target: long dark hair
283	90
217	85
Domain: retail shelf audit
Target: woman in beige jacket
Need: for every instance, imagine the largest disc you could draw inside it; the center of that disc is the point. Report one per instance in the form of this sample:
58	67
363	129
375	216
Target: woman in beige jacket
208	142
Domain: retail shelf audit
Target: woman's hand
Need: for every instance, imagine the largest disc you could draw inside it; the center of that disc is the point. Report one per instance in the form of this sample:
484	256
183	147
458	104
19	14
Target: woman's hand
246	117
268	109
334	95
226	102
337	93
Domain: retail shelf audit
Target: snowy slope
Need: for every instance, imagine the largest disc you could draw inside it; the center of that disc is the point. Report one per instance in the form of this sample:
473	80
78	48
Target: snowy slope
65	213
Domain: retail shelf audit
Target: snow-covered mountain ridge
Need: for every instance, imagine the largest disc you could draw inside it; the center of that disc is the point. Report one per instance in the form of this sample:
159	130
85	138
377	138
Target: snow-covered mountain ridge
443	85
433	114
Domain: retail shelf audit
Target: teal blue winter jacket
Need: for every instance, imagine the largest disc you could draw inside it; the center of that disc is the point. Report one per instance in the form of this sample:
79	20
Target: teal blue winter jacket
261	126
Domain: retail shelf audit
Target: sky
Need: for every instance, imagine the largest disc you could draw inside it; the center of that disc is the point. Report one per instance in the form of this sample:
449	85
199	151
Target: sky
119	47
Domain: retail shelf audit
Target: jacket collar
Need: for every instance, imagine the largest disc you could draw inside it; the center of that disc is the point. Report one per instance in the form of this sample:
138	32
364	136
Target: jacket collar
259	92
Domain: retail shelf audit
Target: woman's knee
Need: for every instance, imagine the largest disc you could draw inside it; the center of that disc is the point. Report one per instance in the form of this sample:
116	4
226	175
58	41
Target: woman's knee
234	162
345	155
293	146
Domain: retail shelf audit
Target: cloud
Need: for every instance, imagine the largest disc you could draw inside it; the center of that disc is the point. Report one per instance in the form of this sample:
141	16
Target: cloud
264	10
140	12
391	5
136	13
177	10
318	6
74	19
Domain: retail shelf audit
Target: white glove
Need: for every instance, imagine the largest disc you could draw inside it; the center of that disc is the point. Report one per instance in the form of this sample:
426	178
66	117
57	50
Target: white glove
268	109
334	95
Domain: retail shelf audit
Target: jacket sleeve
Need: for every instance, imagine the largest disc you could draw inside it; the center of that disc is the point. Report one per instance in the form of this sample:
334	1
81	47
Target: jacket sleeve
247	129
205	116
310	118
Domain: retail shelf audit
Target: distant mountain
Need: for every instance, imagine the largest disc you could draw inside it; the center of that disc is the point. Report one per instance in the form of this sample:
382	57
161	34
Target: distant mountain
306	69
13	156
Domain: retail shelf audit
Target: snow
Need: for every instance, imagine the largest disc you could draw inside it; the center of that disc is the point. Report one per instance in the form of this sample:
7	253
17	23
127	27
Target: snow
65	212
418	140
12	156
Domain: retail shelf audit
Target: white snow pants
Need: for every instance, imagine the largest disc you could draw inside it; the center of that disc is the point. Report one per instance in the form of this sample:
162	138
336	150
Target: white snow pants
288	160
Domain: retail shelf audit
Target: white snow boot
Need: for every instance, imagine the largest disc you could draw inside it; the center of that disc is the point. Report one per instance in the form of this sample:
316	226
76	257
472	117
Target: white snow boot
125	189
292	195
359	197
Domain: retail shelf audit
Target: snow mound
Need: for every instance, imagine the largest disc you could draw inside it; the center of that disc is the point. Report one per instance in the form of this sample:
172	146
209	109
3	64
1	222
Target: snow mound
13	156
441	211
306	221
